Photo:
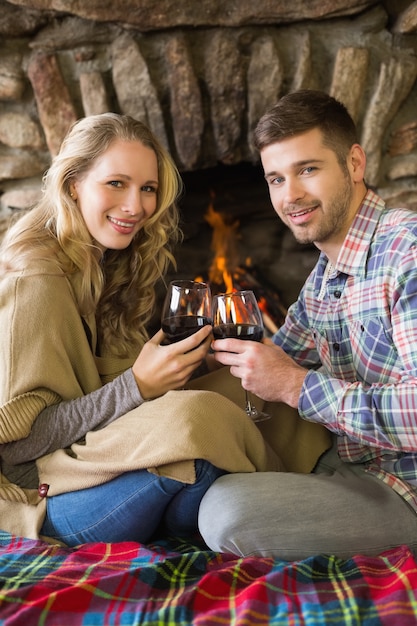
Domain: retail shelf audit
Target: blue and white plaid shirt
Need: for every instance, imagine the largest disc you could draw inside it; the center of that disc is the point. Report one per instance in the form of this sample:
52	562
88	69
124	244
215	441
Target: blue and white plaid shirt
354	326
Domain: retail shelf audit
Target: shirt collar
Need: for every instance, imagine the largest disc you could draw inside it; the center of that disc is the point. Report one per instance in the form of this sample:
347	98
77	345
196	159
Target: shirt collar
354	251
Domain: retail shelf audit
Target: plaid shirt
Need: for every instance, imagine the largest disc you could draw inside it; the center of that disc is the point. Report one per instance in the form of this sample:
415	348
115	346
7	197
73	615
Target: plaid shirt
354	326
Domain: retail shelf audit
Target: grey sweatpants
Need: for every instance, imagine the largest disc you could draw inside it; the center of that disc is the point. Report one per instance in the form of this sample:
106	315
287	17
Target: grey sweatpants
338	509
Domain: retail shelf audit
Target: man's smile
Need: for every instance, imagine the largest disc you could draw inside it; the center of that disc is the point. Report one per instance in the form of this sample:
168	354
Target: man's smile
301	214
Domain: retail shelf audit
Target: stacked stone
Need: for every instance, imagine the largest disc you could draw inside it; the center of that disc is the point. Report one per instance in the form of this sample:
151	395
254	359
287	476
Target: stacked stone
200	74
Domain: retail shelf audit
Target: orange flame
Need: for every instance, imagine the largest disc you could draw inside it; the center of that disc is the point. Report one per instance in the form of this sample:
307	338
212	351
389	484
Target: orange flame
224	246
225	273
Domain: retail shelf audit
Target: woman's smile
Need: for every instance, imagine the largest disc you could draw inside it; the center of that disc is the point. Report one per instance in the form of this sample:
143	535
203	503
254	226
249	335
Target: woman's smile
123	226
119	193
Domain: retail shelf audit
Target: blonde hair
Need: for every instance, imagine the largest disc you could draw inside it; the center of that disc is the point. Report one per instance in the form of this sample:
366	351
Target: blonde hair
119	286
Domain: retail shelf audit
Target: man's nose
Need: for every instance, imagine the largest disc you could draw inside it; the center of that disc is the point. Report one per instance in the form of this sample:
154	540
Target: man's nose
293	190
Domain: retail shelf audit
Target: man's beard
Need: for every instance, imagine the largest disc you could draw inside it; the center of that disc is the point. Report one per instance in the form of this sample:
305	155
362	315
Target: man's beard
333	220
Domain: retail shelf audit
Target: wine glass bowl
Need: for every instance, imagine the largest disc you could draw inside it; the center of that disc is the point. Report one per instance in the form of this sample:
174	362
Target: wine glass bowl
237	315
186	309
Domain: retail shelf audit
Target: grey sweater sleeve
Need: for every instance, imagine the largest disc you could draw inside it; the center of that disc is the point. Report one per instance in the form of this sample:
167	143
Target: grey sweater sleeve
62	424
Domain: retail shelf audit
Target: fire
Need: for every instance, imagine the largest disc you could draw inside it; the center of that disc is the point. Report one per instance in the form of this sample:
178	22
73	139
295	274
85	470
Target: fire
227	274
223	243
268	321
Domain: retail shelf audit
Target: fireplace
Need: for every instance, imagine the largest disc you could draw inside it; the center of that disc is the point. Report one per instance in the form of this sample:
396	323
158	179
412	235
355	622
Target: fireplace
234	239
200	74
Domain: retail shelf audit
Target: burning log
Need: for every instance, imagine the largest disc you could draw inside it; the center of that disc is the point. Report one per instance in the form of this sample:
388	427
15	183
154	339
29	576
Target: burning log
272	309
227	273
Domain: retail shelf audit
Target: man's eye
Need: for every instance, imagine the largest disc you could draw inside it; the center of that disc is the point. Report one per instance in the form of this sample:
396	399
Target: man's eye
276	181
309	170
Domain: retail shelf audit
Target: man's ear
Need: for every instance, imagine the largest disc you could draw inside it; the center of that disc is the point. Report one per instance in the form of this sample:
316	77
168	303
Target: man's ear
357	163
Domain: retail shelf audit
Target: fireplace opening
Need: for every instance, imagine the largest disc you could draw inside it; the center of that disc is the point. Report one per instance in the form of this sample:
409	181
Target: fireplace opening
228	273
236	196
230	228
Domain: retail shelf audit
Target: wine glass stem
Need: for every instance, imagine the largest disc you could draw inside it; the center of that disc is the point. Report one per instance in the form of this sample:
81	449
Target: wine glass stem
248	404
252	411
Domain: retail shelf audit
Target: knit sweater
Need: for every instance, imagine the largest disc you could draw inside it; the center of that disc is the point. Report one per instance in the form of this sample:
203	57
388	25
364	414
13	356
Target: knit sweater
47	358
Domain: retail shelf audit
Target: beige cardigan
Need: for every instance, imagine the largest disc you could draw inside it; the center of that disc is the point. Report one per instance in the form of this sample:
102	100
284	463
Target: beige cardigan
46	359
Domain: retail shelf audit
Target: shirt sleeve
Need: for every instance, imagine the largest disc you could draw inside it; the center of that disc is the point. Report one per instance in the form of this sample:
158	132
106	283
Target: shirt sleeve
61	425
380	409
295	338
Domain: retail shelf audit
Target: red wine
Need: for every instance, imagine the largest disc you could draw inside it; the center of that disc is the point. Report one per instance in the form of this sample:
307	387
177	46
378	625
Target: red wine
182	326
250	332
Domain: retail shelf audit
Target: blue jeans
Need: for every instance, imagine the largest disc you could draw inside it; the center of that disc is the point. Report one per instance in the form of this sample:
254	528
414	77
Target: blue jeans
130	507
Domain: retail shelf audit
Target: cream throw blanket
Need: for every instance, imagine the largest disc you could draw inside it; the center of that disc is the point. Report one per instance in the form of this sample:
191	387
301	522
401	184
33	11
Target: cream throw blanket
298	443
164	436
46	358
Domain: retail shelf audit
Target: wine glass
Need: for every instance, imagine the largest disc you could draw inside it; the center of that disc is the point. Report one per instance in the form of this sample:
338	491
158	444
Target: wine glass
186	309
237	315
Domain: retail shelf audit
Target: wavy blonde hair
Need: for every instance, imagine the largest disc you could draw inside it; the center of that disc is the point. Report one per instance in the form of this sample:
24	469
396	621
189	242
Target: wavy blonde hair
119	286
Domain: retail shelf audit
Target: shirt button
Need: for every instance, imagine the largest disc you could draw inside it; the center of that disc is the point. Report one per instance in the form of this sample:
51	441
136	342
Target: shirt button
336	346
337	294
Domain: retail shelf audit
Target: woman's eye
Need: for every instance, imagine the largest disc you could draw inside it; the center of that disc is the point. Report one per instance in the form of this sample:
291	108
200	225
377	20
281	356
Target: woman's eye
149	188
115	183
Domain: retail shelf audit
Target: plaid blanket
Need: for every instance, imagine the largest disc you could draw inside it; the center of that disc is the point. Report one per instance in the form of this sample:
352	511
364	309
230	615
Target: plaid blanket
178	583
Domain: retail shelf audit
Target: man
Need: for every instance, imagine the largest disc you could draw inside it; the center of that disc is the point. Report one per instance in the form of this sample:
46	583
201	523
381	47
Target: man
346	356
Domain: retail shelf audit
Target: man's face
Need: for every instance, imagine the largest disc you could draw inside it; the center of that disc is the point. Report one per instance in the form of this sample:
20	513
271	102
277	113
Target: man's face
309	190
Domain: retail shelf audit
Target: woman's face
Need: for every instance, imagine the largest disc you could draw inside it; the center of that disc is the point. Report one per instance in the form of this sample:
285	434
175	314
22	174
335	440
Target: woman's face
118	194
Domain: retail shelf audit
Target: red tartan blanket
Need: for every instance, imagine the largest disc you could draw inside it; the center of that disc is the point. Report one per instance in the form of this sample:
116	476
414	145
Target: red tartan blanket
177	583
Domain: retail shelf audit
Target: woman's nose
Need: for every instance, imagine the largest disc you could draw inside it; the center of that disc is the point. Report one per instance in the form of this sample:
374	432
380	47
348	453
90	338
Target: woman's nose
133	202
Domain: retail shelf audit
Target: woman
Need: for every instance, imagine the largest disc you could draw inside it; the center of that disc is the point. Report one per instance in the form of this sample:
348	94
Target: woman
87	406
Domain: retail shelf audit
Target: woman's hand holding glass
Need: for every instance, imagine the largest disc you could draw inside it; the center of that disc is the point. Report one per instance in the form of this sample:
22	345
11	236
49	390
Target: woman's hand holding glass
169	359
186	309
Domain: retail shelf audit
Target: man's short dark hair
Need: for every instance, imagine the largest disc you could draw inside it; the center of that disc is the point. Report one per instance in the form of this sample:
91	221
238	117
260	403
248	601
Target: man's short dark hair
300	111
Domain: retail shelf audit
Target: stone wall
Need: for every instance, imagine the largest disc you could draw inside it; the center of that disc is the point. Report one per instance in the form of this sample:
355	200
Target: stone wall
200	74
